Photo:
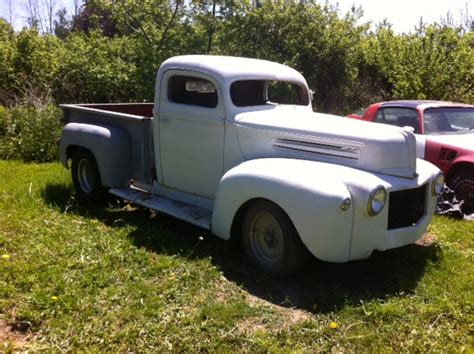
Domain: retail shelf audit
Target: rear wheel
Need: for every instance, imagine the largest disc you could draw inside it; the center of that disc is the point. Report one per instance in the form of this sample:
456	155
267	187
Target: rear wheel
86	176
271	241
463	185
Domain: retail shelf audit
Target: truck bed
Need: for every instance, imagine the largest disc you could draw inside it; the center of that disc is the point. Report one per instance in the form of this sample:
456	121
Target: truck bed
136	119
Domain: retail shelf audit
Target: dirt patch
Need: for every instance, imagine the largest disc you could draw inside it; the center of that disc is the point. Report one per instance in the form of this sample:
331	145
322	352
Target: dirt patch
291	315
426	240
12	337
250	326
285	317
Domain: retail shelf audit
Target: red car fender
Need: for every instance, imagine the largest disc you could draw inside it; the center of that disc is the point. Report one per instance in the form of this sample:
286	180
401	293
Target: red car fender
441	155
461	163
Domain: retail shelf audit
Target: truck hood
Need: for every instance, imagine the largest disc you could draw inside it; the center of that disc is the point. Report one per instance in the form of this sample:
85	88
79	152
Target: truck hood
294	132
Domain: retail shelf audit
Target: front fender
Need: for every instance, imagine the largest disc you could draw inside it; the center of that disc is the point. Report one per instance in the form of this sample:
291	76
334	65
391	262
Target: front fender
459	164
109	145
306	190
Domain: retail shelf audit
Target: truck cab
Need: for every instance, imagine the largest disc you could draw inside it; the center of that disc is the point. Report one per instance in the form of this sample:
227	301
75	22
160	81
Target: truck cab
232	145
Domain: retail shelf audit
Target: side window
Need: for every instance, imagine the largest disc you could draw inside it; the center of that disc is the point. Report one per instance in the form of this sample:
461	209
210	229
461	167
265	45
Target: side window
192	91
399	116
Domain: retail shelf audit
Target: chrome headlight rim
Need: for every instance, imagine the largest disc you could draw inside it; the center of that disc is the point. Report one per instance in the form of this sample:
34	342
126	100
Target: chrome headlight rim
370	204
437	186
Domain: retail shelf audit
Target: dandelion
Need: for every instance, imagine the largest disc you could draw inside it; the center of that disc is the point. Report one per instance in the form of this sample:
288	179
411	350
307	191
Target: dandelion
54	298
333	325
5	256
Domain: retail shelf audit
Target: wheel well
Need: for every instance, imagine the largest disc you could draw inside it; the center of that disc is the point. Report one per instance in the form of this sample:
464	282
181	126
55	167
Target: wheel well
453	171
72	148
236	228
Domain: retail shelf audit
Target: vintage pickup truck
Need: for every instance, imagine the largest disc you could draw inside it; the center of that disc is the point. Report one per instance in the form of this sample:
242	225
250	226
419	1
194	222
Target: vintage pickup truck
232	145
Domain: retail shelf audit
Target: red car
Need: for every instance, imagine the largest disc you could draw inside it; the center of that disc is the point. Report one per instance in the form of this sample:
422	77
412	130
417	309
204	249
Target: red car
444	135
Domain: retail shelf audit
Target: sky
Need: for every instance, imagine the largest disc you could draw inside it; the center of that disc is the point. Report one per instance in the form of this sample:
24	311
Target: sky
403	14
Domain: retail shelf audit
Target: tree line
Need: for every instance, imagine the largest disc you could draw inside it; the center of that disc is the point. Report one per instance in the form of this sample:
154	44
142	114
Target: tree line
109	51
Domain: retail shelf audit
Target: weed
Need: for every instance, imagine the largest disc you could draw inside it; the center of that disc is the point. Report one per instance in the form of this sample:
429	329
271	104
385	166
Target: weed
30	133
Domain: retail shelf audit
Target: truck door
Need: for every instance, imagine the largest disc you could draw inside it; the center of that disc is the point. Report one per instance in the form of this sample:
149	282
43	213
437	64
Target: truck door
191	133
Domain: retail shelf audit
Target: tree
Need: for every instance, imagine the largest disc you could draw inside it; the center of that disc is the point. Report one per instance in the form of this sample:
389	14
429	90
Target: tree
33	15
62	25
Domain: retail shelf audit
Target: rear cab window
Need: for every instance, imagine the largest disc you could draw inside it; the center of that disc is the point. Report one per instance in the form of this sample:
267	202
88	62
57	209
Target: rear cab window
193	91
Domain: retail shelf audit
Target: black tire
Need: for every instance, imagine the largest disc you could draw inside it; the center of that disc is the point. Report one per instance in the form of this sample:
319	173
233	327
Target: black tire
271	241
86	176
463	185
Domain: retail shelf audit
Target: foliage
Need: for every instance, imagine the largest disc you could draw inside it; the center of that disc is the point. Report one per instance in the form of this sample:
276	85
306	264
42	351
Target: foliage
30	133
100	70
433	63
116	278
110	51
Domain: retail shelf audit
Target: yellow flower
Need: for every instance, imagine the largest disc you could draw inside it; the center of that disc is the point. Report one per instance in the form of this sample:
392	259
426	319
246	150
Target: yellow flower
5	256
333	325
54	298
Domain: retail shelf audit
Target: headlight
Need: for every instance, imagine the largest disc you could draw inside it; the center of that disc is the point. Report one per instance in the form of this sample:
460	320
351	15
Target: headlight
377	200
437	185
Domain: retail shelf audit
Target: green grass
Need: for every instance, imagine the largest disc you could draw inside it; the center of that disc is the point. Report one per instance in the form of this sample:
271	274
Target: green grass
118	278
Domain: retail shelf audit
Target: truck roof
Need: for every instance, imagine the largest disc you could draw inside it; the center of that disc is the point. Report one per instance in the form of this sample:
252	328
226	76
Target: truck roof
228	69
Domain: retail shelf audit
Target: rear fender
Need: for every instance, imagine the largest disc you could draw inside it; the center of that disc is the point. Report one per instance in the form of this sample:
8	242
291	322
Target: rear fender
311	197
109	145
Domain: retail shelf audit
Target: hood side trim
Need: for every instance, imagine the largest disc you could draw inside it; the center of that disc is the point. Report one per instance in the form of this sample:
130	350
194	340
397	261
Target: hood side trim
341	151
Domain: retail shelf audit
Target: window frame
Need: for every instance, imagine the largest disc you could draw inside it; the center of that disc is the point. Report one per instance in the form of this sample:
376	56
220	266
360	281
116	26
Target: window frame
183	109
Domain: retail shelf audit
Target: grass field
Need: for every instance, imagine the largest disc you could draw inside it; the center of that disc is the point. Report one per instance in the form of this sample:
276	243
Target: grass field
118	278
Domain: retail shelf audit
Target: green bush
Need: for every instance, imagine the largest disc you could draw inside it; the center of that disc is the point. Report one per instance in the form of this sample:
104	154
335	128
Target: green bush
30	133
113	52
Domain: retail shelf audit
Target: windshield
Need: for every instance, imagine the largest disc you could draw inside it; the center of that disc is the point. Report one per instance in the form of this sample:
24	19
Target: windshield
265	92
444	120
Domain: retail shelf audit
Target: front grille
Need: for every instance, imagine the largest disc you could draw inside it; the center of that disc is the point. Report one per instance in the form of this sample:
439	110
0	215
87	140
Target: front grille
406	207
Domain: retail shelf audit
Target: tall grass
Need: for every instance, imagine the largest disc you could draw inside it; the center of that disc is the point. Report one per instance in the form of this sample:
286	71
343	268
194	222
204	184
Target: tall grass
30	133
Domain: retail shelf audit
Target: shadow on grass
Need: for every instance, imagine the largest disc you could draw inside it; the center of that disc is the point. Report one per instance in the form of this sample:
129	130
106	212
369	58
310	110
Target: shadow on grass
323	287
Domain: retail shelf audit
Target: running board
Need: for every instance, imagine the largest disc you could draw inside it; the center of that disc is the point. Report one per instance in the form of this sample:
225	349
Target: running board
188	212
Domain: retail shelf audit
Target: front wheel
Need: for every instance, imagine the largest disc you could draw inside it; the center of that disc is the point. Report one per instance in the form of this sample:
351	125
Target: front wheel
271	241
86	176
463	185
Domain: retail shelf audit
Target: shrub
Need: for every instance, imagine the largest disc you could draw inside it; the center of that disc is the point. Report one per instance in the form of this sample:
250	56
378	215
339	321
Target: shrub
30	133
